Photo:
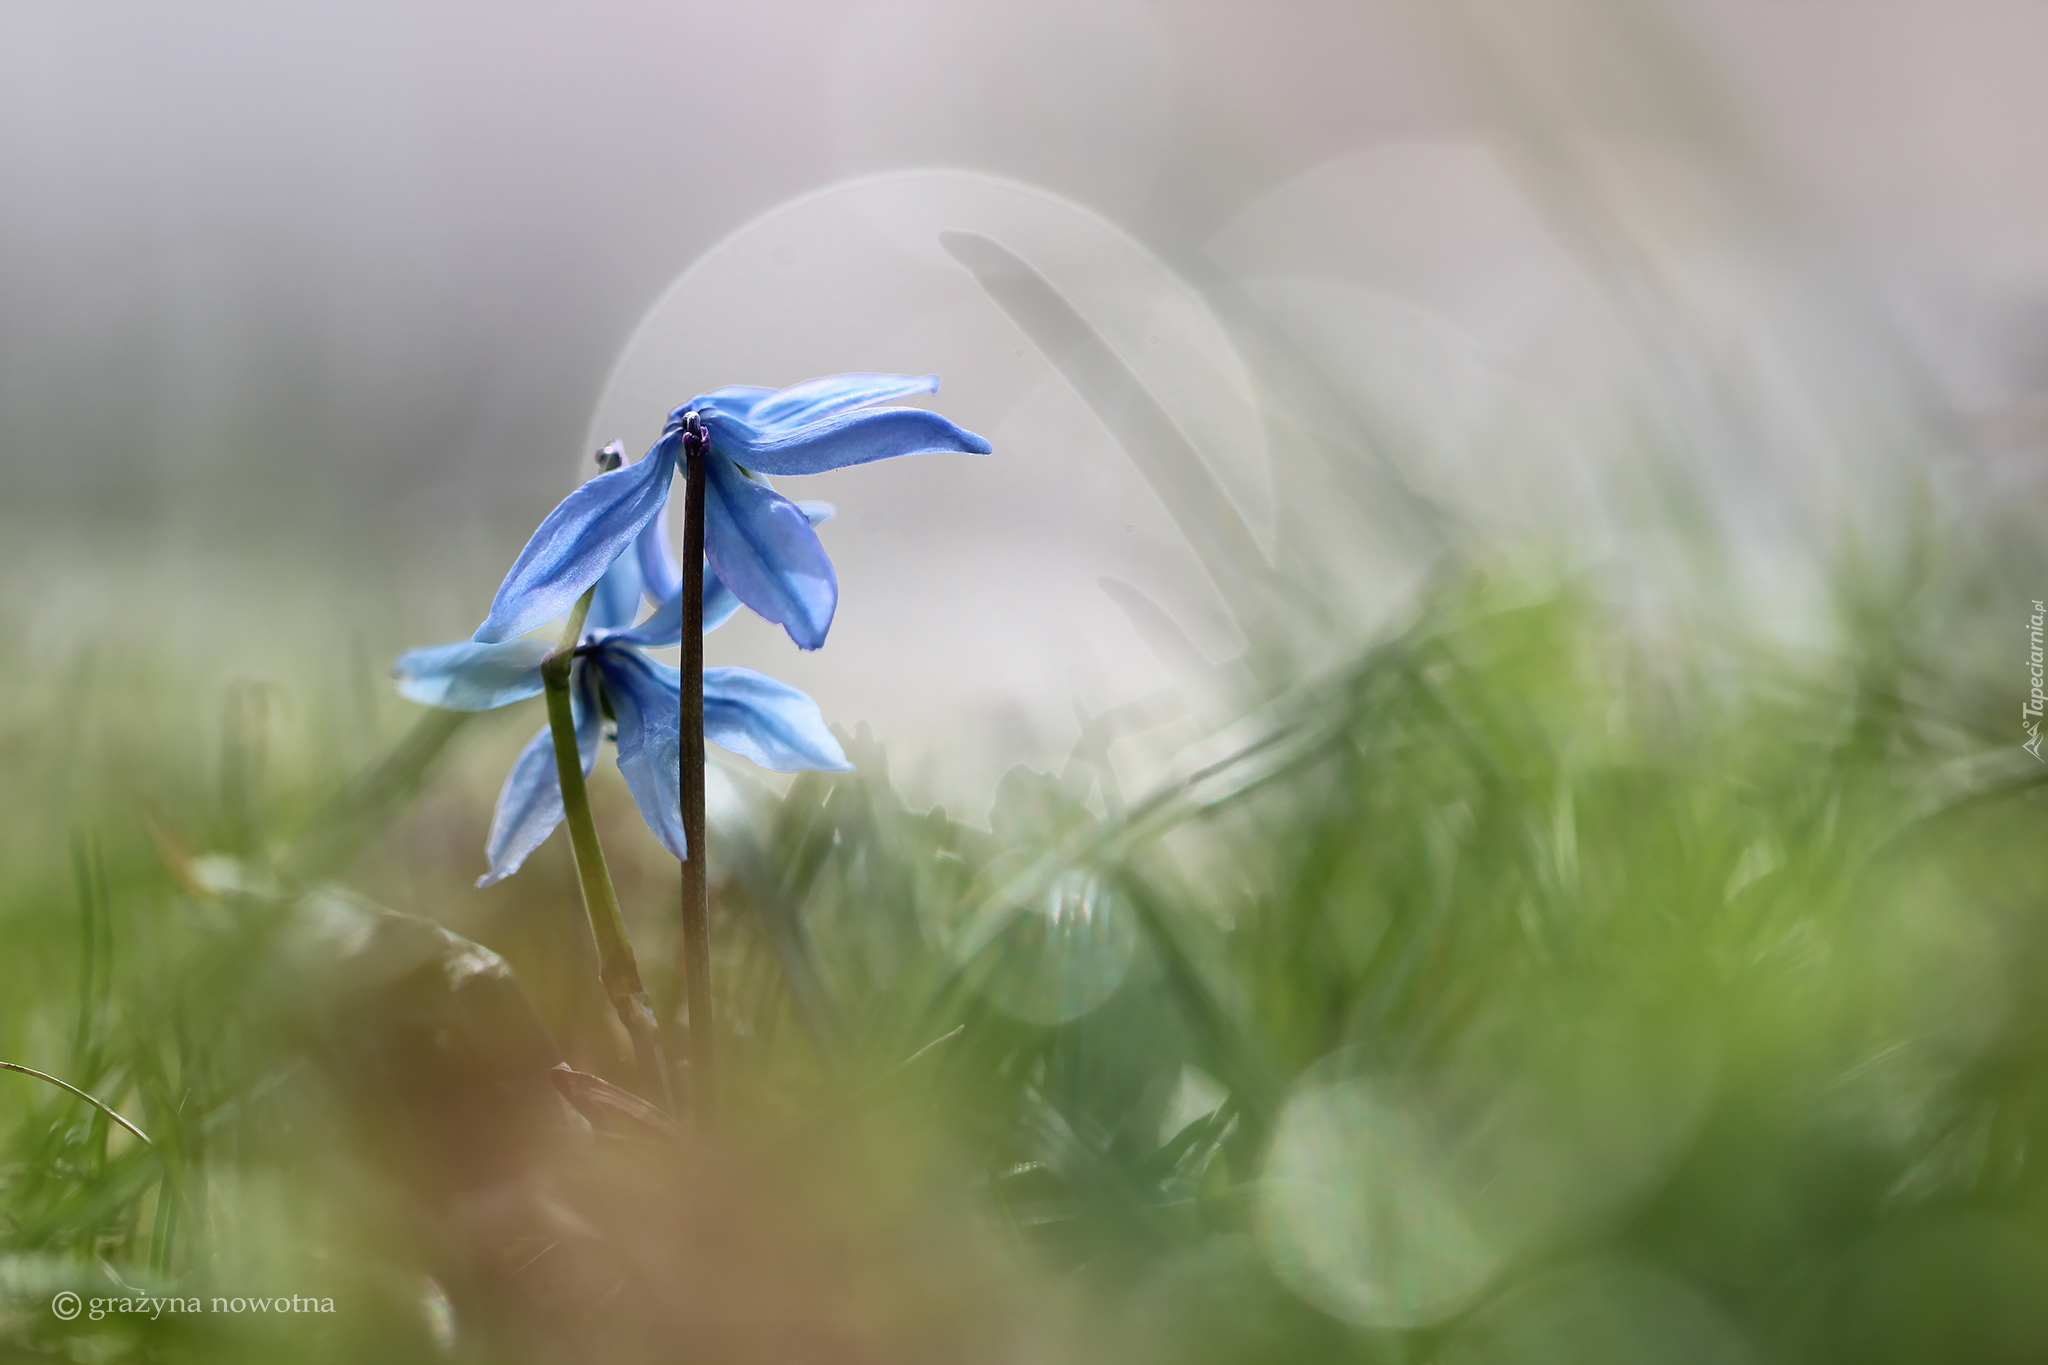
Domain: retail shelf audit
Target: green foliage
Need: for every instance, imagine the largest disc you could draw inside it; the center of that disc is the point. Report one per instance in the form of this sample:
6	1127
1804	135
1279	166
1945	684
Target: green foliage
1531	986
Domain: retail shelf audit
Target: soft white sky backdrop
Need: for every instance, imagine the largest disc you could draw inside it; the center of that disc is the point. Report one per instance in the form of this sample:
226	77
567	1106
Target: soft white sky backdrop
363	270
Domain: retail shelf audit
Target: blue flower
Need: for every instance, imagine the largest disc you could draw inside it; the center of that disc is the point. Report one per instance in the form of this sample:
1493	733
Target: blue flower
750	714
759	543
663	577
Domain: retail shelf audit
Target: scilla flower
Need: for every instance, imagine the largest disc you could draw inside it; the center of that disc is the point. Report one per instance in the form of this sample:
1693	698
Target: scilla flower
662	577
760	544
750	714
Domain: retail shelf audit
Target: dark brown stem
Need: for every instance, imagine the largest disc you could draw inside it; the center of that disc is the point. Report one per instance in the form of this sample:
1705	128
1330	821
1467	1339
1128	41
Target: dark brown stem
694	948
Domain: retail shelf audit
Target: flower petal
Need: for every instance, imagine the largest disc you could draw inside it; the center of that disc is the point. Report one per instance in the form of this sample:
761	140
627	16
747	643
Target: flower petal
665	627
737	399
720	602
529	808
660	575
762	545
816	399
530	803
465	676
835	442
617	599
578	541
768	721
646	698
658	631
663	578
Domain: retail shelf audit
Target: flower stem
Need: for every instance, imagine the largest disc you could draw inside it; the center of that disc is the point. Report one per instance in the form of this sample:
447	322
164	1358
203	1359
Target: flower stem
92	1100
616	967
694	949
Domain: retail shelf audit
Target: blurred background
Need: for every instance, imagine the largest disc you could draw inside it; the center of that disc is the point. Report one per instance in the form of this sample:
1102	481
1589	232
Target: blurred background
1450	792
341	286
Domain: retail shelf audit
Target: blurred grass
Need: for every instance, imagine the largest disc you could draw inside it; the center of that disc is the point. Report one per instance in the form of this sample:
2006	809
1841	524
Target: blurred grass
1570	969
1532	985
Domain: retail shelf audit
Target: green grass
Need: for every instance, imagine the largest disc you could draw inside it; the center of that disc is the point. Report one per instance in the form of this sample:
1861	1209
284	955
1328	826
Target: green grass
1528	986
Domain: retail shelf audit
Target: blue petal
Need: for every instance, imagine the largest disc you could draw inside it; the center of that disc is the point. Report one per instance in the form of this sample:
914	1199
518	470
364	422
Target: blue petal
464	676
816	399
578	541
767	721
738	399
646	698
617	599
836	442
658	631
720	602
764	549
529	808
663	578
659	573
530	804
665	627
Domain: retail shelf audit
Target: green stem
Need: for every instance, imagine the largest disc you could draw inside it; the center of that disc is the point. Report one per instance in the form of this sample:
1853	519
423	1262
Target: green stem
617	968
694	947
92	1100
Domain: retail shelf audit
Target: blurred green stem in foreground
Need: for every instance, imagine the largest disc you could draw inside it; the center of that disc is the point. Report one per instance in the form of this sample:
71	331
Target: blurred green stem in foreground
616	966
92	1100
